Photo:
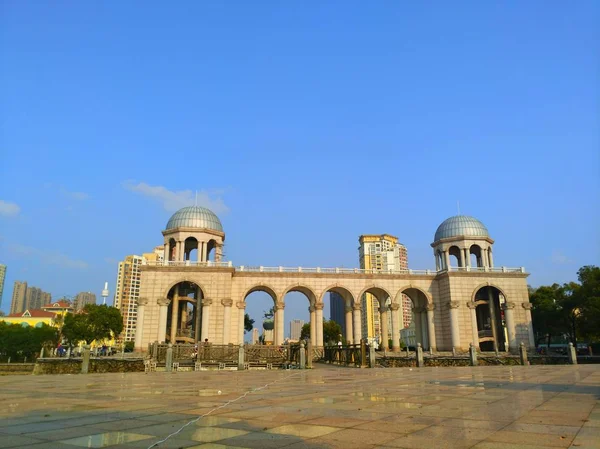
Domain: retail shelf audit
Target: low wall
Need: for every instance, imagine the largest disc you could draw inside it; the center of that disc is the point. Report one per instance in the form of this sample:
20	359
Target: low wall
16	368
97	365
398	362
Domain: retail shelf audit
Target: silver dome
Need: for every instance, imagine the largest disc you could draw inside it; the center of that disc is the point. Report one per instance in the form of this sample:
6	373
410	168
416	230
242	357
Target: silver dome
460	225
195	217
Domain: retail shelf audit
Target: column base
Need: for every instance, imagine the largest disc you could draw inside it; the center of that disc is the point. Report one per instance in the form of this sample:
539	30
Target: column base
396	349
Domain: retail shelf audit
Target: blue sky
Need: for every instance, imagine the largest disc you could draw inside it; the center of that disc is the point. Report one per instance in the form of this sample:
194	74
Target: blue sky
303	125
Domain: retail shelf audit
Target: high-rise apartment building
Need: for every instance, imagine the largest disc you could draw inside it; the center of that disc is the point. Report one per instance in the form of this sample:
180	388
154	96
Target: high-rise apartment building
127	290
84	298
381	253
17	304
296	329
2	278
337	310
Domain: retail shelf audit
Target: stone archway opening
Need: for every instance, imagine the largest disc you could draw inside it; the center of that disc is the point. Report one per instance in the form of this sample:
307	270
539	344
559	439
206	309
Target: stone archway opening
190	249
490	319
294	298
260	302
377	327
184	313
475	256
339	306
420	328
455	257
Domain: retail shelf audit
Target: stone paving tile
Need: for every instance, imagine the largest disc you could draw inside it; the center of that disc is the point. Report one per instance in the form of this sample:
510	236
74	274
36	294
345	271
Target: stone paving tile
328	407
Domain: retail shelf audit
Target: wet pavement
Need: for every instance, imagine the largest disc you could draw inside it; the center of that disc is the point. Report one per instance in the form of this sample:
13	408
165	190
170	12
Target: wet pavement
327	407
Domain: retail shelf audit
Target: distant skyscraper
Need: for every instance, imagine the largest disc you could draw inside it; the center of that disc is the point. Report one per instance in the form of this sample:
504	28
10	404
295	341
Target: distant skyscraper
2	278
127	290
84	298
337	310
296	329
18	297
381	253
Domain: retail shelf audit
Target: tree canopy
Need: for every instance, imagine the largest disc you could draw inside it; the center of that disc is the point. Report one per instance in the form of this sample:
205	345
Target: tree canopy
331	332
17	341
97	322
571	309
248	323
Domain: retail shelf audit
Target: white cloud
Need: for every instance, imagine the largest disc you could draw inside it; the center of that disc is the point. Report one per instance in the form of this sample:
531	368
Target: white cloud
175	200
9	209
47	257
559	258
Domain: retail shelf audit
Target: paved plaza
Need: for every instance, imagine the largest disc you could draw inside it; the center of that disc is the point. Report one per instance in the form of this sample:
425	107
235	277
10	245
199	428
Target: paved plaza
327	407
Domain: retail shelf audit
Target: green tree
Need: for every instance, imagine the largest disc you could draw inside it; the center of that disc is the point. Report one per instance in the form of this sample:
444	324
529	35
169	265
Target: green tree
305	332
97	322
248	323
546	312
587	299
18	342
331	332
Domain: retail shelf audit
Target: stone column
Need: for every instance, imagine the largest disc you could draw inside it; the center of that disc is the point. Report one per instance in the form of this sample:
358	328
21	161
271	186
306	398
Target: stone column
484	262
424	328
383	327
313	325
492	306
437	261
227	303
453	305
356	322
279	323
204	251
199	251
206	303
467	257
510	325
166	254
491	257
348	316
431	326
139	324
197	319
175	315
474	331
461	258
527	307
163	310
447	260
416	318
319	323
218	253
395	326
241	305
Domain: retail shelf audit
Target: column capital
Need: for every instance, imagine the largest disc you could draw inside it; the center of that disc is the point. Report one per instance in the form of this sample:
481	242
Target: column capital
430	306
206	301
471	305
311	309
163	302
394	306
527	305
142	301
241	304
356	306
348	309
508	305
319	306
453	304
279	305
227	302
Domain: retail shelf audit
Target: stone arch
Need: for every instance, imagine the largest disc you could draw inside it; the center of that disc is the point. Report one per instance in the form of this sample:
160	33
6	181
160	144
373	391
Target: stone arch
261	287
489	324
414	287
378	295
305	290
343	291
173	284
486	284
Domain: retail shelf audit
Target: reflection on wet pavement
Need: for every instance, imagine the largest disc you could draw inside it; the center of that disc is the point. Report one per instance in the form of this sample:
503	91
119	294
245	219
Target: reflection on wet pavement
480	407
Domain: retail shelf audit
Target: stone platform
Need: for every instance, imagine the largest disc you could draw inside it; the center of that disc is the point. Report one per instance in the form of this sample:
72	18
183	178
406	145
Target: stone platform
492	407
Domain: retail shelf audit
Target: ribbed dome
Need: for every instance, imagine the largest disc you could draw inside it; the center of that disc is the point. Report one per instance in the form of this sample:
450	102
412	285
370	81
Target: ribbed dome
195	217
460	225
